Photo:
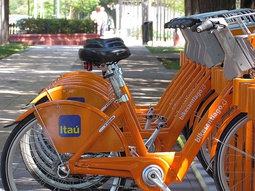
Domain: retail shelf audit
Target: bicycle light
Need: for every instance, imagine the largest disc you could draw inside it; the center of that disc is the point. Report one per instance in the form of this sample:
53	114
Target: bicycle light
87	66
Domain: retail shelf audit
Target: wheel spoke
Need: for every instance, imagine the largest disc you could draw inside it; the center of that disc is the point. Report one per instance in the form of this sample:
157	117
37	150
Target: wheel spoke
234	161
30	163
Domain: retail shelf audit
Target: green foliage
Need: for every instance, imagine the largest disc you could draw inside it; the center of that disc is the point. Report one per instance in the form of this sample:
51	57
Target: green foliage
18	7
176	5
104	3
55	26
31	26
82	5
45	9
10	49
170	63
164	49
48	9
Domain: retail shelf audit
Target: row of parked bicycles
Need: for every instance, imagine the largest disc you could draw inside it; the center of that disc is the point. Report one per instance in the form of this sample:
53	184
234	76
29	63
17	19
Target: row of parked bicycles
85	132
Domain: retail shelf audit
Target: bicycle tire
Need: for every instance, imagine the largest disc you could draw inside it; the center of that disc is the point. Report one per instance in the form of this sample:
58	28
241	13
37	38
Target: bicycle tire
234	159
28	162
204	158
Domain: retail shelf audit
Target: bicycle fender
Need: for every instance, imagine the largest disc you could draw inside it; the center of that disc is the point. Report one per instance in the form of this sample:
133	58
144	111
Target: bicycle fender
27	113
79	127
54	93
79	93
40	97
21	117
66	92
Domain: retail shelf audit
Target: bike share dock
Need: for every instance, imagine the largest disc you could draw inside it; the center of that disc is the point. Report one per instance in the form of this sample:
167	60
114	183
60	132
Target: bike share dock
213	75
24	74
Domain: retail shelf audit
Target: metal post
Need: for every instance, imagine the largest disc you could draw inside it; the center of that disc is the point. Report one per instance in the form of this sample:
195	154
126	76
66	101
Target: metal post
4	22
118	9
58	9
54	8
145	11
1	21
28	8
35	9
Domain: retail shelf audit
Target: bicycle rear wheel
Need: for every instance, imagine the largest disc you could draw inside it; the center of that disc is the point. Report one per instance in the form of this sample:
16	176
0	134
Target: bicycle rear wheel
29	162
234	167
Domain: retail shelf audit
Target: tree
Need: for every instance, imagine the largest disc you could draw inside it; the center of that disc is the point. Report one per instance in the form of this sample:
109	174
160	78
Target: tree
247	3
4	22
16	7
105	3
81	6
202	6
47	8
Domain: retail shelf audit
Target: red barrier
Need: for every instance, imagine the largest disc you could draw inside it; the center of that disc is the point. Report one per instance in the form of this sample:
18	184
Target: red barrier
53	39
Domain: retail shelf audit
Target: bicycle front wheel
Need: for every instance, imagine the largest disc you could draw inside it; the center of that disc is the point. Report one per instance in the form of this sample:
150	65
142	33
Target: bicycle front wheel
234	168
29	162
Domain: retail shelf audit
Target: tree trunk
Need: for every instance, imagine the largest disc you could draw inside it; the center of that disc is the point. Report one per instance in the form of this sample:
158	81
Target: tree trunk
247	3
4	22
71	13
202	6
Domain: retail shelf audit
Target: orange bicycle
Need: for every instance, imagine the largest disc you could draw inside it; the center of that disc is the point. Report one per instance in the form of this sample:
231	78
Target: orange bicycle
70	145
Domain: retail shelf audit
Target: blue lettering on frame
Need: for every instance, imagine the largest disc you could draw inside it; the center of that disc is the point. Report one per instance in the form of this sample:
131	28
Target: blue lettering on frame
80	99
69	126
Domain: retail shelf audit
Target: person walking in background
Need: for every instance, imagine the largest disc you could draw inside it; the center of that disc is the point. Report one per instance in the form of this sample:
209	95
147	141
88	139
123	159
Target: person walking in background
96	17
176	38
104	17
100	17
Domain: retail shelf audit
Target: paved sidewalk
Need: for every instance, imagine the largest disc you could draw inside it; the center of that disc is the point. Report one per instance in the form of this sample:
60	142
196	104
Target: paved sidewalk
24	74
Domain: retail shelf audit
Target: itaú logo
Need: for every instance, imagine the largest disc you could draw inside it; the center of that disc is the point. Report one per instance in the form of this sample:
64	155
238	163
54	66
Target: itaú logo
69	126
212	117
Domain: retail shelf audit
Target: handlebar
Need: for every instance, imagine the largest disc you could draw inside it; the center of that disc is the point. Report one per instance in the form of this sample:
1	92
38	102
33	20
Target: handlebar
181	23
189	23
206	25
213	23
172	23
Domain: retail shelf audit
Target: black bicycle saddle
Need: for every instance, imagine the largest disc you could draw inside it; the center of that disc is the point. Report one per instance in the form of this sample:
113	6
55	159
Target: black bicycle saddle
100	51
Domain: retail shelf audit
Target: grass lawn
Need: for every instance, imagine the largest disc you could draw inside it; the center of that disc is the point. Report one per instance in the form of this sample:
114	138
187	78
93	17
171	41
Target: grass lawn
169	63
163	49
9	49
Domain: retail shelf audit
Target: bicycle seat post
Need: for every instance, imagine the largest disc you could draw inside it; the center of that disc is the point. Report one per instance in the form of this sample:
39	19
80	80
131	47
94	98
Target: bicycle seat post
115	81
118	74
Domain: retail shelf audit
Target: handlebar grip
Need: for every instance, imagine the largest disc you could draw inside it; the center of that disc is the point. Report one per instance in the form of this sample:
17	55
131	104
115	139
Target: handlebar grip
168	24
175	23
189	23
206	25
194	27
